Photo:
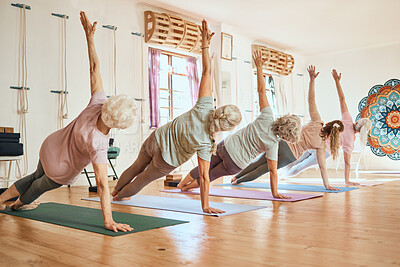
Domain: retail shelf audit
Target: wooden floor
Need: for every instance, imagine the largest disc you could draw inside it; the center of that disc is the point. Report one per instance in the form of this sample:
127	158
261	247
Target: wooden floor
356	228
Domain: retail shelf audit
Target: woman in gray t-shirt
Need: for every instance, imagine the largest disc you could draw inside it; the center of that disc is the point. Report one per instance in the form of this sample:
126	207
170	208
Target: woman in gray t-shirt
241	148
176	142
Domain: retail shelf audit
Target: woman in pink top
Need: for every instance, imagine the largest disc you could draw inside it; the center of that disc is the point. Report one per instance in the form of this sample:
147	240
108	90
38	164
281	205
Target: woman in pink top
347	138
65	153
313	136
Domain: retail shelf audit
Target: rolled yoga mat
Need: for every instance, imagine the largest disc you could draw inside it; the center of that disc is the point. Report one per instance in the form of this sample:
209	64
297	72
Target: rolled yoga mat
293	187
219	192
89	219
181	205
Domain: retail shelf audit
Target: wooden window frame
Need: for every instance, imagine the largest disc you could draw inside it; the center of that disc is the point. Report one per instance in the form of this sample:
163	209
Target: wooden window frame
170	88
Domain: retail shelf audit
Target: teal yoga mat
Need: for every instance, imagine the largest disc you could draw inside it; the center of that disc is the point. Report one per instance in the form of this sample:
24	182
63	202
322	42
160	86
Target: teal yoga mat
89	219
293	187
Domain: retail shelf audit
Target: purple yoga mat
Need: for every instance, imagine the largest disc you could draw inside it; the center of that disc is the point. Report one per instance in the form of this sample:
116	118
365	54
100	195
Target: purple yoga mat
264	195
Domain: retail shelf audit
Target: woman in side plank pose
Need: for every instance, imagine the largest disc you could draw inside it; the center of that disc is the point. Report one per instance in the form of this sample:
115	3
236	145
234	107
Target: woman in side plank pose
176	142
347	138
242	147
65	153
313	136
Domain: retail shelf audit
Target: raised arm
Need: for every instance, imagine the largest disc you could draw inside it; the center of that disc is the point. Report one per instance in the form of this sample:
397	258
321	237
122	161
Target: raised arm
312	106
96	84
322	167
205	83
204	169
100	172
262	96
342	100
273	178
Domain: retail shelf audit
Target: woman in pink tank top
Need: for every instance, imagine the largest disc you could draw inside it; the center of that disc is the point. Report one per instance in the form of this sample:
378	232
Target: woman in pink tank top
347	138
66	152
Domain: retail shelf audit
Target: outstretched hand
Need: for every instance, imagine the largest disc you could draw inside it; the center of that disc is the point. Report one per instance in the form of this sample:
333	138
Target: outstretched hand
115	227
206	34
87	26
311	72
336	76
258	60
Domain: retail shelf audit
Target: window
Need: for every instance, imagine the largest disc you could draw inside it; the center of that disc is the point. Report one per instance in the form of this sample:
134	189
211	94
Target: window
271	96
175	96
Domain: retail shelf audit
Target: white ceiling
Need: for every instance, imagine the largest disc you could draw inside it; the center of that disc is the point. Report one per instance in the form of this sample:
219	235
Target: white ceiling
304	26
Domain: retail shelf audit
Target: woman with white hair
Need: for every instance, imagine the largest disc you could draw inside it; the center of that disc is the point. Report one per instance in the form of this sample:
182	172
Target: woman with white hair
66	152
313	135
241	148
176	142
347	138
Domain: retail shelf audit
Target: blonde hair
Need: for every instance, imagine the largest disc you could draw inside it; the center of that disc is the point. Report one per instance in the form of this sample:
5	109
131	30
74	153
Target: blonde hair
288	128
224	118
118	112
332	131
363	126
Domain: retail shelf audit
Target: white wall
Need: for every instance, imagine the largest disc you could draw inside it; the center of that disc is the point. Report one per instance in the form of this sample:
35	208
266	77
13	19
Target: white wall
367	66
361	69
43	65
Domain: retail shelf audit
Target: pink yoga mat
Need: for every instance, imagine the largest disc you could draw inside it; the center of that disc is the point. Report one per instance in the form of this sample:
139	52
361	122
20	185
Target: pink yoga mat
264	195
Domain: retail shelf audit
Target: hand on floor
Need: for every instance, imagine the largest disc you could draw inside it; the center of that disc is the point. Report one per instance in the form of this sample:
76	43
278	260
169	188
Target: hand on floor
212	210
332	188
351	183
113	226
281	196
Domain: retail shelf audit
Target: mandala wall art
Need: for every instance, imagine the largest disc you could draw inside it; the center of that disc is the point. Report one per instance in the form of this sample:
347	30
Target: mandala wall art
382	107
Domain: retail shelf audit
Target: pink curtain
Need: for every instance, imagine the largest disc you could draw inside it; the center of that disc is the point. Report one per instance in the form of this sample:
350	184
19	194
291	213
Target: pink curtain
154	87
193	78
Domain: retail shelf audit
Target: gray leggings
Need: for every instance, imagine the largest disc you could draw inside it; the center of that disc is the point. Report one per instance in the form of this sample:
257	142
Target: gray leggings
148	167
32	186
221	164
260	165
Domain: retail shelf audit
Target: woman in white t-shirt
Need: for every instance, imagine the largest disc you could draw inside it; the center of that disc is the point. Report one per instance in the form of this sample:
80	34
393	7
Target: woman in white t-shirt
241	148
176	142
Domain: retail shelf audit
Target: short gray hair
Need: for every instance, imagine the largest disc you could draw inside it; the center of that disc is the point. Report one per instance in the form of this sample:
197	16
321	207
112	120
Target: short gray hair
118	112
288	128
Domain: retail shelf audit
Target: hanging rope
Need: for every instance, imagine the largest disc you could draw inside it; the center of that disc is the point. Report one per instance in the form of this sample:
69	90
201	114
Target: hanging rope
113	67
63	96
115	59
22	101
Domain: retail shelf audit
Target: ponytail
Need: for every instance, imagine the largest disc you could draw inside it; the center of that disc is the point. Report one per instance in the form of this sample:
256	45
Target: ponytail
332	131
224	118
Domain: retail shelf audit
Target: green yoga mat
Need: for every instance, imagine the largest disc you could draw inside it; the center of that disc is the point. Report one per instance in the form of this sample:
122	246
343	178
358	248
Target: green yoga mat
89	219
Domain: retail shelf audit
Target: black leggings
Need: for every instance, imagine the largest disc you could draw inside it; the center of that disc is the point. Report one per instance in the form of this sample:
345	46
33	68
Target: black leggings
260	165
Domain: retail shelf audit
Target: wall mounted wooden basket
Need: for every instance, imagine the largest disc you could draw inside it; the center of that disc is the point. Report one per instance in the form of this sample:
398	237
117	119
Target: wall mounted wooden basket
277	61
172	31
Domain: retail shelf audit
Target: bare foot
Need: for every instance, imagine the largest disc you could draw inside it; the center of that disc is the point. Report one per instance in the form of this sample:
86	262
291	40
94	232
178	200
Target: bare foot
234	181
190	186
180	185
3	206
116	198
114	192
17	206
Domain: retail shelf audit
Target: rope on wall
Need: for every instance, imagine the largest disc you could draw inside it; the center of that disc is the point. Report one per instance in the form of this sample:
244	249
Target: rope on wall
139	77
63	95
22	99
113	67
